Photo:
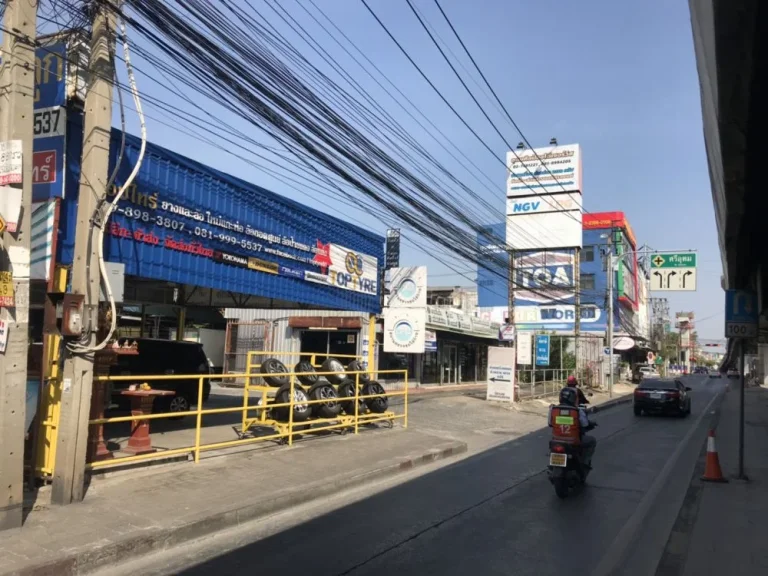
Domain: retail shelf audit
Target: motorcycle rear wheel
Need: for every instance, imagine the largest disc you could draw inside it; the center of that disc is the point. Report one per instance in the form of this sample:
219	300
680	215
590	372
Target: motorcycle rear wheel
561	486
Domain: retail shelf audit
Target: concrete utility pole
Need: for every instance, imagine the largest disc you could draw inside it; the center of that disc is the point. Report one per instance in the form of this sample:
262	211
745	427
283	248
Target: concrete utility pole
511	290
577	308
69	475
611	261
17	95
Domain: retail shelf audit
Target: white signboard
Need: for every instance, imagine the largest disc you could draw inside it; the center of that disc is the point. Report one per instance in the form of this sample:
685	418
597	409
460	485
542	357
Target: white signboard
518	206
524	347
404	330
407	287
507	333
10	206
10	162
3	336
673	279
544	170
50	122
501	374
545	230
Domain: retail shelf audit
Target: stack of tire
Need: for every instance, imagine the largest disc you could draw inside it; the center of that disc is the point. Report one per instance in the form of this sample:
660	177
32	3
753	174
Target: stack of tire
311	386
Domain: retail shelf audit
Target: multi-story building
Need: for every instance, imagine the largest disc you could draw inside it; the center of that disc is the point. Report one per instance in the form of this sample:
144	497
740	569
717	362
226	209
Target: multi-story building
544	283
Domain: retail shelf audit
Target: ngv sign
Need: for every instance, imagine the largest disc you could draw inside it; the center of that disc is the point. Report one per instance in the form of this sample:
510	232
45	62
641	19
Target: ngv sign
523	207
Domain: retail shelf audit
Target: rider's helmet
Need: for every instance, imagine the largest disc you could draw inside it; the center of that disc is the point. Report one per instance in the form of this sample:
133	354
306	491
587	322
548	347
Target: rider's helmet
571	380
569	397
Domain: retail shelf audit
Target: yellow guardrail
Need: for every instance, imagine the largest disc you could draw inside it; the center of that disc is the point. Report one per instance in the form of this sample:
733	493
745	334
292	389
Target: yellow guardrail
284	430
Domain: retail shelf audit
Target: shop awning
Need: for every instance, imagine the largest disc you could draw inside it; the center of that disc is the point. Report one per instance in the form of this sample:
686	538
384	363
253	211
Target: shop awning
452	320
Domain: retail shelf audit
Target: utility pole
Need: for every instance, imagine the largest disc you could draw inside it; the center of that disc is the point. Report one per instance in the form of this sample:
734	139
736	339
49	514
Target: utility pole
577	307
611	259
17	95
69	475
511	290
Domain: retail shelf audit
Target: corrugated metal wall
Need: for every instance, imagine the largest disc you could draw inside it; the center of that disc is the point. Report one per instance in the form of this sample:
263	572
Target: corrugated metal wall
283	338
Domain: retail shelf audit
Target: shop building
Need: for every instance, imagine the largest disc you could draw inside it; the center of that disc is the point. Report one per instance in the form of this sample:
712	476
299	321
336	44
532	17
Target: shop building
184	242
456	351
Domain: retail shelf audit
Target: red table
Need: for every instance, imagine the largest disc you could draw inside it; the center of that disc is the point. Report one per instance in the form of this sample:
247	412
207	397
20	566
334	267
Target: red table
141	405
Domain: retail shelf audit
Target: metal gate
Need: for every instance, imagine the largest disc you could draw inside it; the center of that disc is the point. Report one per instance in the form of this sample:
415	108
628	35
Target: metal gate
241	338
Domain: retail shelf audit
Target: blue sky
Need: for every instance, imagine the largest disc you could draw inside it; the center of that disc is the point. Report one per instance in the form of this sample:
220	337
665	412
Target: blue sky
619	78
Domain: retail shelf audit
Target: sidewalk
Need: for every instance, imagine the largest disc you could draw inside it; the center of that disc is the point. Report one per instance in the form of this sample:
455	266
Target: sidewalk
730	532
127	514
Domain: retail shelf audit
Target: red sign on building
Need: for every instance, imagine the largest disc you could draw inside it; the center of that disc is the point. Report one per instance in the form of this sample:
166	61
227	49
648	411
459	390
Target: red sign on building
44	167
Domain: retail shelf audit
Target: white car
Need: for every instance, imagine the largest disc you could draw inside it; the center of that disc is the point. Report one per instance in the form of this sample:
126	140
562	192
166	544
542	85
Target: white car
732	373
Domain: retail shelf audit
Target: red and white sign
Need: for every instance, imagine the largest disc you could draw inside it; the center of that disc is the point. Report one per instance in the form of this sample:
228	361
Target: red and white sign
10	162
44	167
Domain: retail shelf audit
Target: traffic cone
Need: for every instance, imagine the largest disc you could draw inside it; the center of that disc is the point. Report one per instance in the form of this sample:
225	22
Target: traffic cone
712	471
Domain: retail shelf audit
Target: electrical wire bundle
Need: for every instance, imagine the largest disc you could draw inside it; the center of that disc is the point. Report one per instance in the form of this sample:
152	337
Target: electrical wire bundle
339	138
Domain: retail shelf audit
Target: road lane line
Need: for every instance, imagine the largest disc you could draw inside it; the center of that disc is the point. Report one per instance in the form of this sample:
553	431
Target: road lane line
611	561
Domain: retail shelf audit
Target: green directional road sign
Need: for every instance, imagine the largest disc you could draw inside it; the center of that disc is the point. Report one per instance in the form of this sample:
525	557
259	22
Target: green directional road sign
677	260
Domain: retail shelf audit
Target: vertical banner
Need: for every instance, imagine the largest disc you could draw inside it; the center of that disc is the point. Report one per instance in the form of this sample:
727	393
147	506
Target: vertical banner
542	350
49	122
524	345
392	250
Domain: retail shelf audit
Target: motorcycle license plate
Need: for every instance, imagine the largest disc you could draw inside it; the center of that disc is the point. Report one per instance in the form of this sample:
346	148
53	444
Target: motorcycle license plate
556	459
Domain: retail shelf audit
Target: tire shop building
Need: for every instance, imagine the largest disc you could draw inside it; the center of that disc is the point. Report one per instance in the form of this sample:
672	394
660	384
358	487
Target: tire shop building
191	241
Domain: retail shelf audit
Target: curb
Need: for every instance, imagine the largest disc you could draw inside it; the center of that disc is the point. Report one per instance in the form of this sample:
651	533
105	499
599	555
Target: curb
611	563
156	539
610	404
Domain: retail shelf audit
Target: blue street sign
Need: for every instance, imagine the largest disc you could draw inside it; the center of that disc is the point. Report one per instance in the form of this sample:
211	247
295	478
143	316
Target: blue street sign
542	350
740	314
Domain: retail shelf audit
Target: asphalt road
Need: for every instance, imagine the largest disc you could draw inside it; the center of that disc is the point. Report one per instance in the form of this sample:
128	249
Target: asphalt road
491	513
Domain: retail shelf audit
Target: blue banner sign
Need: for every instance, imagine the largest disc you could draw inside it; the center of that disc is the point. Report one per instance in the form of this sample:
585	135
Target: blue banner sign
542	350
49	122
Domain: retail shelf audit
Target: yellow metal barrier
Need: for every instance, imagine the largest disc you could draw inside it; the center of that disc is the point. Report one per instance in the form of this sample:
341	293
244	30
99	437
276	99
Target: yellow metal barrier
50	403
284	431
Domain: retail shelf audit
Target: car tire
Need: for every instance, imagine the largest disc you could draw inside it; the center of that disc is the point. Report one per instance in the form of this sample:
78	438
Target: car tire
306	366
301	411
638	412
333	365
357	366
177	403
324	391
379	404
274	372
347	390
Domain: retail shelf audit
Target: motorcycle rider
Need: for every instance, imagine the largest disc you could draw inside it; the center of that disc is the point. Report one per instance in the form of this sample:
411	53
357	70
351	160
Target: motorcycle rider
573	383
569	398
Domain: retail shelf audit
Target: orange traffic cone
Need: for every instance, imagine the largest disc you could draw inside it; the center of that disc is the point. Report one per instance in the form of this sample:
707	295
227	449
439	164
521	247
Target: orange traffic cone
712	471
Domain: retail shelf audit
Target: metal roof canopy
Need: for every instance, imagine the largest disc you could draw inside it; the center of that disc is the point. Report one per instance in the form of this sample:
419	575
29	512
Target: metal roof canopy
151	292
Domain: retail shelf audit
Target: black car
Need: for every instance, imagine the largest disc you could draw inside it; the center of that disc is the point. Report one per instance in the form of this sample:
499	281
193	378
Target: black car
160	357
662	396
